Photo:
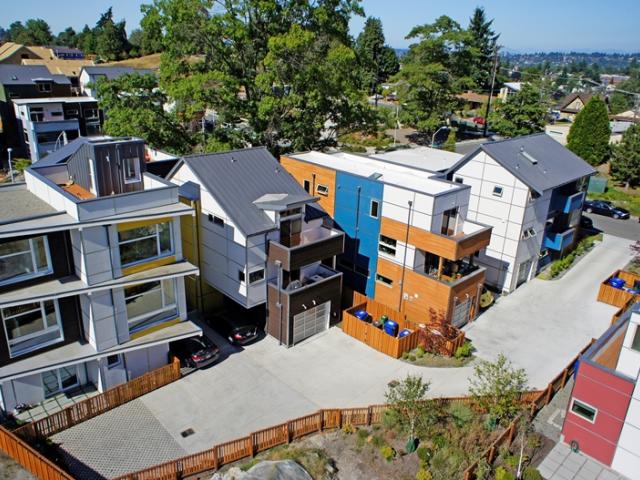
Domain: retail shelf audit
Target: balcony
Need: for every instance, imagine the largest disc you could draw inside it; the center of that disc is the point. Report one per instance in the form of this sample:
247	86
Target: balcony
562	203
558	241
307	247
56	126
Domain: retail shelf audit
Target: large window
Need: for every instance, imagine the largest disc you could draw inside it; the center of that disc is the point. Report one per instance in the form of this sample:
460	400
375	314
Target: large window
131	170
31	326
449	218
23	259
60	380
387	245
150	303
142	244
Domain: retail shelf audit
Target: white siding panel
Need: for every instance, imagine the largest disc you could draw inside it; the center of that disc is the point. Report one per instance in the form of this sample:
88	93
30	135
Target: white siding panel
423	204
516	214
510	247
397	196
497	175
493	208
420	220
473	168
395	212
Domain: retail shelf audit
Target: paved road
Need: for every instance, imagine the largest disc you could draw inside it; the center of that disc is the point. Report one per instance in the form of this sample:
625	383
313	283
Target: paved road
629	229
540	327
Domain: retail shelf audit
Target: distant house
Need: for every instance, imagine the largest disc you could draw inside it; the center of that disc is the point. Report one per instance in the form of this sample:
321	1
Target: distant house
14	53
572	104
69	68
473	100
91	74
613	79
508	89
67	53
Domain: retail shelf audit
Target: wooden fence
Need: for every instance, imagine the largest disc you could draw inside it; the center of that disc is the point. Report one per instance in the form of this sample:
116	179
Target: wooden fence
616	316
101	403
616	296
249	446
29	458
538	400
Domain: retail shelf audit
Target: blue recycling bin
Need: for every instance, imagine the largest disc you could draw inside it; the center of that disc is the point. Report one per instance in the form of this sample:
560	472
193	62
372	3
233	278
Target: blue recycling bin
391	328
404	332
361	314
616	282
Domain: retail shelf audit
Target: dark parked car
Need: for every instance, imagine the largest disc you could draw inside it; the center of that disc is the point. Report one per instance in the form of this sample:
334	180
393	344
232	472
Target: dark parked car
236	329
195	352
602	207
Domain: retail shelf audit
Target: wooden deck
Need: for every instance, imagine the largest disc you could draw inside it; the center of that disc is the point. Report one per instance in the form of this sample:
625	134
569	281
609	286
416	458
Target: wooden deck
78	192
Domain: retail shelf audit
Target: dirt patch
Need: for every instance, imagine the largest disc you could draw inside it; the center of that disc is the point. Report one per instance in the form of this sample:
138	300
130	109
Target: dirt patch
10	470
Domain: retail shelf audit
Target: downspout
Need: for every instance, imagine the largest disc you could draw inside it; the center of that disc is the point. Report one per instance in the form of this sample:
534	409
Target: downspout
404	259
279	304
195	227
357	228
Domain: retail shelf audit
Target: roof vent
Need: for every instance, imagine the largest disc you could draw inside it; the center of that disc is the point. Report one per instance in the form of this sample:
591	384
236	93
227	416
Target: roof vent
375	176
277	169
233	159
528	156
13	77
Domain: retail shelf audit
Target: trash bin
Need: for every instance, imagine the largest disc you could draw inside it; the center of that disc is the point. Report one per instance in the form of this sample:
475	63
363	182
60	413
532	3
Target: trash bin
391	328
404	332
361	314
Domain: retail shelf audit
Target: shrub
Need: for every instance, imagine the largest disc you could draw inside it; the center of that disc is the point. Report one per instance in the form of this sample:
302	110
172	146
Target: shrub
390	419
483	469
348	429
405	355
460	413
531	473
503	474
464	350
377	441
21	164
423	474
534	441
424	454
511	460
440	442
387	452
419	352
412	357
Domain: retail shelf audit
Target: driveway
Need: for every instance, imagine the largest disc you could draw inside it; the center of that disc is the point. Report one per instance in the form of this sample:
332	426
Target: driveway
540	327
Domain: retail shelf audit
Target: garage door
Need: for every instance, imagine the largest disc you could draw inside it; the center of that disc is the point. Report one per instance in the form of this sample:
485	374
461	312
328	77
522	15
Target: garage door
461	313
311	321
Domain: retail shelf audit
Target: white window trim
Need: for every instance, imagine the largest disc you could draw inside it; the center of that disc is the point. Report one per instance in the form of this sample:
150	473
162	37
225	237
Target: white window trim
36	273
497	194
248	277
46	331
165	307
381	242
116	364
322	189
388	285
574	400
138	177
377	202
92	177
61	390
158	253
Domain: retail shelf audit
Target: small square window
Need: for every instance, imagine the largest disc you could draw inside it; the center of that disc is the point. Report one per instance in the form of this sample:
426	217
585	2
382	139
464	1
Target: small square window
113	361
497	191
583	410
385	280
458	180
322	190
241	276
131	170
307	186
216	220
635	344
256	276
374	209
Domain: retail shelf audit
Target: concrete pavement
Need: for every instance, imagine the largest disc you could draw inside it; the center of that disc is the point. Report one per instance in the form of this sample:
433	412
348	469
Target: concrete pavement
563	464
540	327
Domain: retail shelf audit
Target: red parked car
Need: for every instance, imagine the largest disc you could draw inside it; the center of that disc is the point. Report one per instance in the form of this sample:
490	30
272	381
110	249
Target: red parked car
478	120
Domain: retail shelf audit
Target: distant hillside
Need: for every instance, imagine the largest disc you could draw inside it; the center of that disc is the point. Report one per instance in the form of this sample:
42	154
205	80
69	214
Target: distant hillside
151	62
615	61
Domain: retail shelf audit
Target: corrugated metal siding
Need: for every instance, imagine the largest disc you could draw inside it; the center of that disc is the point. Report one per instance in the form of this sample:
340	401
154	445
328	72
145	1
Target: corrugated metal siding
78	165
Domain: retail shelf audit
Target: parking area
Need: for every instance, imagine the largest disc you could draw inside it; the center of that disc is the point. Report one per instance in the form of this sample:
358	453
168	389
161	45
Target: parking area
540	328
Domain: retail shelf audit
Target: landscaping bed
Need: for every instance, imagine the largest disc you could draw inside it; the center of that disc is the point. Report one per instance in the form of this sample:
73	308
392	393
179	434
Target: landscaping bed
462	356
558	268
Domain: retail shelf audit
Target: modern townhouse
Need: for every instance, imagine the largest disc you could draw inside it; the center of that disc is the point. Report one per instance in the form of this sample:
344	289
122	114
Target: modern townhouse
263	244
530	190
409	244
47	124
89	75
603	414
21	81
91	272
69	68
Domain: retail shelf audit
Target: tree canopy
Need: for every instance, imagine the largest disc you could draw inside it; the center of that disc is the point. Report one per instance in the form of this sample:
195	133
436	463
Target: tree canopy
590	133
625	158
483	42
522	114
35	31
377	60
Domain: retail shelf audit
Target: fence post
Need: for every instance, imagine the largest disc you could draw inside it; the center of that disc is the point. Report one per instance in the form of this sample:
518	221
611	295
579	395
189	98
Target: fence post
250	445
512	430
216	465
339	418
565	374
547	399
286	432
369	415
492	452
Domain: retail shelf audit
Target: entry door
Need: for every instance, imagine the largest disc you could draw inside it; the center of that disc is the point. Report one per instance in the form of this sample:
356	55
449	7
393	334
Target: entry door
523	272
57	381
310	322
461	313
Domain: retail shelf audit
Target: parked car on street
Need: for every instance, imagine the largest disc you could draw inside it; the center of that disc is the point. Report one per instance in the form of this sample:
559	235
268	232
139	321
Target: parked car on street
603	207
237	329
478	120
195	352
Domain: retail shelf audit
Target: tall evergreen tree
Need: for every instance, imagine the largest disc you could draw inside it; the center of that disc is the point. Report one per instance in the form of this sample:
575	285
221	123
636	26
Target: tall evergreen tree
377	60
86	40
625	158
483	41
68	37
590	133
110	37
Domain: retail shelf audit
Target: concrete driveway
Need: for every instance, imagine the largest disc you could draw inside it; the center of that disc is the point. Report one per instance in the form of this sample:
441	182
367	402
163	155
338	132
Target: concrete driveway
540	327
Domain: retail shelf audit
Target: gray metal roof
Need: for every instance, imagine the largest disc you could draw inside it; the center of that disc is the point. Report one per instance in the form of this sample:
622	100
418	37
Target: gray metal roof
62	154
536	160
112	72
27	74
236	179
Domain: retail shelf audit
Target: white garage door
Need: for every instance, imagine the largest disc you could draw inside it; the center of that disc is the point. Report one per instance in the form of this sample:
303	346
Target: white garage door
311	321
461	313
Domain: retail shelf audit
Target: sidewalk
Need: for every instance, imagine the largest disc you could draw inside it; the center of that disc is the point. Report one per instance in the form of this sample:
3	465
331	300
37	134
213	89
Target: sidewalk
563	464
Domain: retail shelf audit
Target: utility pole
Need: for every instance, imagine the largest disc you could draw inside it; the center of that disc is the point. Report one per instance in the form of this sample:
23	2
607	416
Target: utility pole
493	82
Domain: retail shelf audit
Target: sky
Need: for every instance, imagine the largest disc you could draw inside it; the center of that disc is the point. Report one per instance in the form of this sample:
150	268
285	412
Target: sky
524	25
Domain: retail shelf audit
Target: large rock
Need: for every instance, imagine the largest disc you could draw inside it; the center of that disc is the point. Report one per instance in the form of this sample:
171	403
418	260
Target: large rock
267	470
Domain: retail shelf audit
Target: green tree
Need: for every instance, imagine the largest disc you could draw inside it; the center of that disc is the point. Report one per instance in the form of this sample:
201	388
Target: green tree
483	40
86	40
377	60
625	158
407	400
151	36
590	133
34	32
67	37
497	387
284	72
134	106
110	37
450	143
523	114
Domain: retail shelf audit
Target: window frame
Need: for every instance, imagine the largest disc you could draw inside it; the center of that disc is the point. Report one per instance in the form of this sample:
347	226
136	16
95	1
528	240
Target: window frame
139	319
44	87
159	253
36	273
92	177
635	341
117	363
497	191
61	389
377	208
322	189
29	336
218	221
386	281
306	184
259	271
242	276
458	180
383	244
136	168
584	405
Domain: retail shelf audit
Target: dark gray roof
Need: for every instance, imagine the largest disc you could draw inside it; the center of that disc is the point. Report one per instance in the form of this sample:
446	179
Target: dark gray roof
18	202
236	179
62	154
112	72
26	75
536	160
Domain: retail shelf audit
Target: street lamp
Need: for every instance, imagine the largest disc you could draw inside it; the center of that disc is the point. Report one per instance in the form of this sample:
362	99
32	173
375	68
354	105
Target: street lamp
433	137
9	150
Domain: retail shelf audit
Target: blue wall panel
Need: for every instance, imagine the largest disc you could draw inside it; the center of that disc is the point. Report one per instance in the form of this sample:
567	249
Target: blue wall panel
352	215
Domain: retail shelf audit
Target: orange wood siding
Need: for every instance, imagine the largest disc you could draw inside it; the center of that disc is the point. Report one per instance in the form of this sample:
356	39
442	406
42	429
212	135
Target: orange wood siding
302	171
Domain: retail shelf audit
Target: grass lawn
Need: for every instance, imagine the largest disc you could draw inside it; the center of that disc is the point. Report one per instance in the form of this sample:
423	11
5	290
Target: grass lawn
629	199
